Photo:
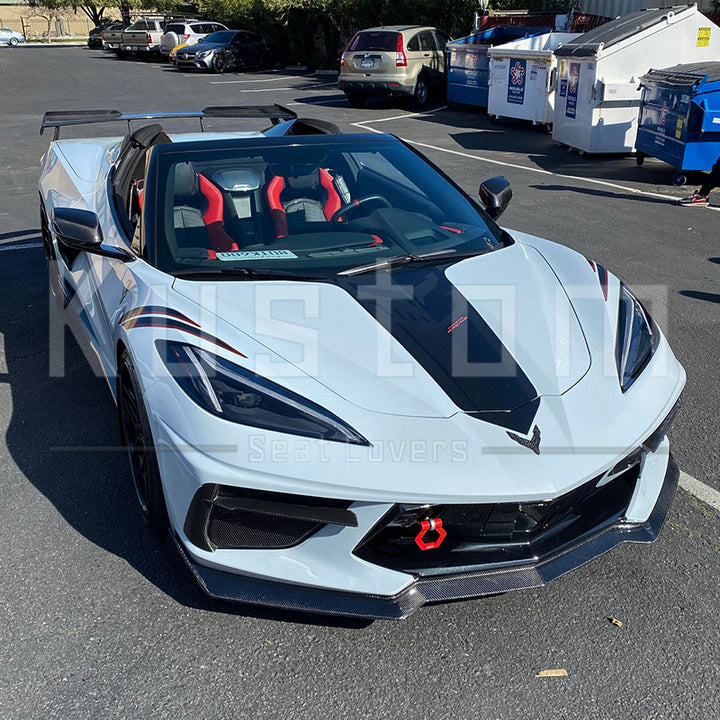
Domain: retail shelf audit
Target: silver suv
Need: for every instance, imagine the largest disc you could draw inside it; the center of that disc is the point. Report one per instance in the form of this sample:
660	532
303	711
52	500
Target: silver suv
186	33
405	60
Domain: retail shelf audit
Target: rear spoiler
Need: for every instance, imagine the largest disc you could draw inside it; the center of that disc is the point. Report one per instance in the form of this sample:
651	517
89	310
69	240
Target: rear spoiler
57	119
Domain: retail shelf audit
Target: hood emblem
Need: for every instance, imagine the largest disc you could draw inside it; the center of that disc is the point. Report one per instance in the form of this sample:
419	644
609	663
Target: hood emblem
532	444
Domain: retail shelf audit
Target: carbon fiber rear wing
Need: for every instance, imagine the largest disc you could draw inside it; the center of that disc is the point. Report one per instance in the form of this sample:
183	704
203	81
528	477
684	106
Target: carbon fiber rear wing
57	119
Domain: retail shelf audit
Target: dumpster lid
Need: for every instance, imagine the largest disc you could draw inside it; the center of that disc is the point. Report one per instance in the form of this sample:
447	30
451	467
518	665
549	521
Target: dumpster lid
616	31
690	74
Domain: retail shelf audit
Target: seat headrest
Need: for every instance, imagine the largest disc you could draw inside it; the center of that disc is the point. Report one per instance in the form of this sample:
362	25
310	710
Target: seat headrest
186	180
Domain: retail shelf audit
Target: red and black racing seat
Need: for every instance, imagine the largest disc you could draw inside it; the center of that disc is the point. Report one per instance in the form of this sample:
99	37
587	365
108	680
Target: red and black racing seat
198	211
302	194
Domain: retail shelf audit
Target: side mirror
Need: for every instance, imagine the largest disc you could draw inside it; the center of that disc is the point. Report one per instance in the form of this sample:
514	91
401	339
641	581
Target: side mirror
80	230
495	195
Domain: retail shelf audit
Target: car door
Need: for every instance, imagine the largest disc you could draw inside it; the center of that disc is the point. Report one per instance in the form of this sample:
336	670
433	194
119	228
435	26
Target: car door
430	55
442	39
236	50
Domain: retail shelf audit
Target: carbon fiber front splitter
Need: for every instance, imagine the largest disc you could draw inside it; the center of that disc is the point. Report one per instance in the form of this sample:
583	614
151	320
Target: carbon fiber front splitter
438	588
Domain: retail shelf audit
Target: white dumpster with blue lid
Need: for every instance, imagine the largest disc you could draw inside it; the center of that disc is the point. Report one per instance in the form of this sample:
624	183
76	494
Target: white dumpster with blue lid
522	77
598	92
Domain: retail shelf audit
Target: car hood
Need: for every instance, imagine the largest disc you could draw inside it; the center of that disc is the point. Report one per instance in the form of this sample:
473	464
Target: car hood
488	335
200	47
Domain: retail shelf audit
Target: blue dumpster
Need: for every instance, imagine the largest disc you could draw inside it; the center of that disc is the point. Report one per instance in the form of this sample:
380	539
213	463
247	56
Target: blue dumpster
680	117
468	62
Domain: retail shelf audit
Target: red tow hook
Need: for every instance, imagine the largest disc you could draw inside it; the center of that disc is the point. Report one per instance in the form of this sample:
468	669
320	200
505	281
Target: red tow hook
426	526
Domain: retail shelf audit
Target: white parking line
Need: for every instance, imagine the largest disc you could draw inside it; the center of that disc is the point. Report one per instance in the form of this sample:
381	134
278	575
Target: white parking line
700	490
317	102
365	123
277	79
276	89
24	246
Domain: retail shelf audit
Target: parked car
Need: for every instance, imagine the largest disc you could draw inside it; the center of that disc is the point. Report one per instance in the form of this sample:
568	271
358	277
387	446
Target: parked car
143	37
95	36
223	51
397	60
518	432
112	38
186	32
11	37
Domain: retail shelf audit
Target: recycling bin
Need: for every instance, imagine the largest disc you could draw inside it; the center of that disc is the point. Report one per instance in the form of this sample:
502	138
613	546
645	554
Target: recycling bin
679	120
598	93
522	77
468	62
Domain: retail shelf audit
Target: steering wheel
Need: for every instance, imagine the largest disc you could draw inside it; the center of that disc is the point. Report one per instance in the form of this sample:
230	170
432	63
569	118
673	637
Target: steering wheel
351	207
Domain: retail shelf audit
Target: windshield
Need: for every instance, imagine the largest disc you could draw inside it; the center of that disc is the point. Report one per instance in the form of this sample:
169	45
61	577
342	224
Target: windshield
221	37
312	209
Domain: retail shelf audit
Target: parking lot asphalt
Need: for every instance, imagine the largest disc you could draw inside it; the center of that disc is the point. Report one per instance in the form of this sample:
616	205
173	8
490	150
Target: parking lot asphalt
100	621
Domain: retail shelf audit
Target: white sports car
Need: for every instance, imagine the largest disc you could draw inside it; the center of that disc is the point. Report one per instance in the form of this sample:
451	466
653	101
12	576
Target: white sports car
342	386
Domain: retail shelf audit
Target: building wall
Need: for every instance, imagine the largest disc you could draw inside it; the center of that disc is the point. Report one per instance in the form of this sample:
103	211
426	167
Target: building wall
614	8
26	20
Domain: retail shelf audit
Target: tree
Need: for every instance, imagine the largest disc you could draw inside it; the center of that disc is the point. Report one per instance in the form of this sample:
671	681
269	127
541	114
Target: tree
95	12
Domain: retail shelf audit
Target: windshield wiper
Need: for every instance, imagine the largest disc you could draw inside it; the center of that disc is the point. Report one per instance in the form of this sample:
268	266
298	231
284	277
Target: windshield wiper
244	272
400	260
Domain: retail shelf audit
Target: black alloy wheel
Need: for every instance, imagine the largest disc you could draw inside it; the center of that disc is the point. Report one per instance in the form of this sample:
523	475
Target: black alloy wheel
137	438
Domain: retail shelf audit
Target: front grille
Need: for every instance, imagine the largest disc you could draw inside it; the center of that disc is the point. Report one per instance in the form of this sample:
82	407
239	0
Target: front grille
229	518
498	533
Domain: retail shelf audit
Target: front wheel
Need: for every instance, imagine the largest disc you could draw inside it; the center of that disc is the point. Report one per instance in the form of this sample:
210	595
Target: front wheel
137	438
219	64
13	42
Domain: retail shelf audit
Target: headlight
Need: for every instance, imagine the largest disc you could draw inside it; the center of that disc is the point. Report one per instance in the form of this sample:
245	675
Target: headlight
239	395
637	338
203	54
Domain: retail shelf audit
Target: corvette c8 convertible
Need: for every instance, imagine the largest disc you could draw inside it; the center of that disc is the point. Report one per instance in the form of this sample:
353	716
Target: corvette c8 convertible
343	387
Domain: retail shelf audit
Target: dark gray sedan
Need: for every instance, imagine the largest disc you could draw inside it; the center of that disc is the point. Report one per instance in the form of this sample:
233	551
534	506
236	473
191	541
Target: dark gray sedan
224	50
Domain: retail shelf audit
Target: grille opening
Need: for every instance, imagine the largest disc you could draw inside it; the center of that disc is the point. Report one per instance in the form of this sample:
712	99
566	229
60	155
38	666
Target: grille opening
498	533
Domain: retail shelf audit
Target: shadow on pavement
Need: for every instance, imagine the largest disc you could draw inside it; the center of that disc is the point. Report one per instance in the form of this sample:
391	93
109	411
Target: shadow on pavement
699	295
63	436
478	133
636	197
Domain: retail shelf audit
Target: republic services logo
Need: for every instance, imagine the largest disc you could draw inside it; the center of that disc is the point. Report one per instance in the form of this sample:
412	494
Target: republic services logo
517	73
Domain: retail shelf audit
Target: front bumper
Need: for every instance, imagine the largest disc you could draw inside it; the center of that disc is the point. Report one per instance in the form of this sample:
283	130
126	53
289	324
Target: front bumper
192	63
438	588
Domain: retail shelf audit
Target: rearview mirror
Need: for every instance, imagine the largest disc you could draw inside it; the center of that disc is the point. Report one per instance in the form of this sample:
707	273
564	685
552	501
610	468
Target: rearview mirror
80	230
495	195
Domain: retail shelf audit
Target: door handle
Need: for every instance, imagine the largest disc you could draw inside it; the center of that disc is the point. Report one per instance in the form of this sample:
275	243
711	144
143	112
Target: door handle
426	54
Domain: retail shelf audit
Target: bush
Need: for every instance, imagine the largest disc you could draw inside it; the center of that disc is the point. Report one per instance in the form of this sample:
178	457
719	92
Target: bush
316	31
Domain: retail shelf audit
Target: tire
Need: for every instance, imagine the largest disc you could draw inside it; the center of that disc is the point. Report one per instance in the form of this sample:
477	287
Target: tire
122	54
639	159
356	100
678	179
219	64
422	92
13	42
170	40
137	438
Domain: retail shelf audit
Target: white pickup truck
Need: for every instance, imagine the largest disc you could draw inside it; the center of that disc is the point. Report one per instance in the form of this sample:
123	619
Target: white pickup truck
143	36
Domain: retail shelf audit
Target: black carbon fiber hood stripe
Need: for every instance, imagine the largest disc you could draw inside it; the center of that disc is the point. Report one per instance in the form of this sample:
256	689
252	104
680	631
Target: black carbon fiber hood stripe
434	322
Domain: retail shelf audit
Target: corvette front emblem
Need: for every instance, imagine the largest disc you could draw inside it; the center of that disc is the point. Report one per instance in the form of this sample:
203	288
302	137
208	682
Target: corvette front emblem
532	444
